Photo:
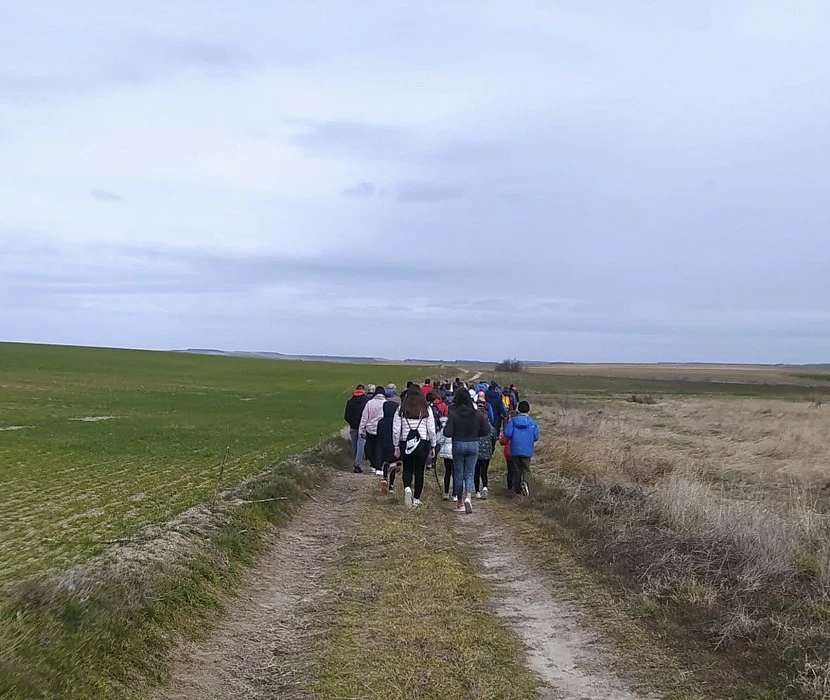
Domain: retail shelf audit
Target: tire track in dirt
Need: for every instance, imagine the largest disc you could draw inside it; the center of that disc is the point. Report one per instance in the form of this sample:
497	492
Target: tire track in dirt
260	648
572	662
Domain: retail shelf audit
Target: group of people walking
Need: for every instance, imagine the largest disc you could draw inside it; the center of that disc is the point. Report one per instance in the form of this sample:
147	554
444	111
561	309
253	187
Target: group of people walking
453	421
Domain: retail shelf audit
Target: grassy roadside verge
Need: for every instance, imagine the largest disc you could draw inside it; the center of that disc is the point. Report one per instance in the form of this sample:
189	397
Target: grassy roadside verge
106	630
648	586
412	618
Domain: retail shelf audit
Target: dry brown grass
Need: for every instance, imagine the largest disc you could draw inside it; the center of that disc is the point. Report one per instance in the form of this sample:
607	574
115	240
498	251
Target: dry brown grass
760	374
717	510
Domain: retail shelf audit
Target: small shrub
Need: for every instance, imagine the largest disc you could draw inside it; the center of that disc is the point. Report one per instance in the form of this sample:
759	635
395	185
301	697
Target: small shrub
645	399
513	366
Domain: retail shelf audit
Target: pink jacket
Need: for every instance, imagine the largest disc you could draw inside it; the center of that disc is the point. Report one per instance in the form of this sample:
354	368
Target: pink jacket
372	413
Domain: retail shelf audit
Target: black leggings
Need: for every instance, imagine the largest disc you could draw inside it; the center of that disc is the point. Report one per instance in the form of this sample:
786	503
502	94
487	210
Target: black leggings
414	464
480	475
447	475
373	450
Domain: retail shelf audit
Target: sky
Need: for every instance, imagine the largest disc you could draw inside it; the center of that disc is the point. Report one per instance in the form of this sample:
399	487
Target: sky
552	180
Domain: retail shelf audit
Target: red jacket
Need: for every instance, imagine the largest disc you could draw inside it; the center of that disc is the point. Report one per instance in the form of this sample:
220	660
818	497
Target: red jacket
504	441
426	388
442	407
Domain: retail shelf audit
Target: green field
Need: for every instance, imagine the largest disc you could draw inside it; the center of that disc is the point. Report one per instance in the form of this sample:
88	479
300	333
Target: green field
70	485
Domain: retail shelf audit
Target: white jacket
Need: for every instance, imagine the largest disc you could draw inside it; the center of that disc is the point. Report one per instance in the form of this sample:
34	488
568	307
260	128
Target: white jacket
444	442
372	413
425	427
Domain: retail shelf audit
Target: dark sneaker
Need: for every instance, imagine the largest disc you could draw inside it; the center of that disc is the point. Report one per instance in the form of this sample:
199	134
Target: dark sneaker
358	470
525	489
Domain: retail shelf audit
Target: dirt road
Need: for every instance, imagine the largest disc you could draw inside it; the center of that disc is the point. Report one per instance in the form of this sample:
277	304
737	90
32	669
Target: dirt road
276	638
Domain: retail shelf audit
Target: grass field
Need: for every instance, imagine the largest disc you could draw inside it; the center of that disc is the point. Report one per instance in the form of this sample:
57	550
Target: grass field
96	443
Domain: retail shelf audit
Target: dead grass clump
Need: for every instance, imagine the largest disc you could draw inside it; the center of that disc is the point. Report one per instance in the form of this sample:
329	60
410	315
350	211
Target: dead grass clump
643	399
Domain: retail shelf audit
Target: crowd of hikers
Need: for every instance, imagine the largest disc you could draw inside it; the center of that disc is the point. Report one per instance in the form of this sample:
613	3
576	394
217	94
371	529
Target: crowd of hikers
459	423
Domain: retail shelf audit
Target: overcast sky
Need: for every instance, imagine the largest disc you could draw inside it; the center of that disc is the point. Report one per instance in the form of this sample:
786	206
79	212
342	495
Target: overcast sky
559	180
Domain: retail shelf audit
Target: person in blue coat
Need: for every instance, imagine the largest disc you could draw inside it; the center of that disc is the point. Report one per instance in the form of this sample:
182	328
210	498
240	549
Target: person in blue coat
523	434
499	412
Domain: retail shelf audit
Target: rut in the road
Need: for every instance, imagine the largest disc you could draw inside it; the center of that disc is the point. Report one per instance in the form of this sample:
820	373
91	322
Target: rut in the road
260	648
570	660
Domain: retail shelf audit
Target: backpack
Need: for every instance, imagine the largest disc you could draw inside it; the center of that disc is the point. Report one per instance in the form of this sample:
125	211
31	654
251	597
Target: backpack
436	415
414	442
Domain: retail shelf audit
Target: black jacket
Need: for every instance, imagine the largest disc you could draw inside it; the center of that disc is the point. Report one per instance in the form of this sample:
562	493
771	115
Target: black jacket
385	431
354	410
466	424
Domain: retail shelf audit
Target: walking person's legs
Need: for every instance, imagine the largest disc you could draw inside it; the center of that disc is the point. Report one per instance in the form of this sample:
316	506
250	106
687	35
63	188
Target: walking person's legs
483	466
408	473
447	477
373	451
357	448
457	477
420	467
477	477
520	475
511	471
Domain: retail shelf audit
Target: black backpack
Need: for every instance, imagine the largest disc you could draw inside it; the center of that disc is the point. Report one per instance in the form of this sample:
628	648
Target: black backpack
414	443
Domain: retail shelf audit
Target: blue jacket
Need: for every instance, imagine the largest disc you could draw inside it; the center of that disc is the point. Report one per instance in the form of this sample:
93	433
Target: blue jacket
523	433
493	397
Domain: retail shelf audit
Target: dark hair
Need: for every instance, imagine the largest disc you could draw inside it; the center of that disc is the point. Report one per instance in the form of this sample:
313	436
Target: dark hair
414	405
524	407
379	389
359	386
431	396
427	381
462	398
409	385
457	379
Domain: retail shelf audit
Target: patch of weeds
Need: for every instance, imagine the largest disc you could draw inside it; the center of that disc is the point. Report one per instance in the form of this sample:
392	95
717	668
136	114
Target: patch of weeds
644	399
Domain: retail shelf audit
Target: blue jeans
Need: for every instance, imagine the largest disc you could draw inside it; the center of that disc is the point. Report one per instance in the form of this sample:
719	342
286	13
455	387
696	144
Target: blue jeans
464	458
358	445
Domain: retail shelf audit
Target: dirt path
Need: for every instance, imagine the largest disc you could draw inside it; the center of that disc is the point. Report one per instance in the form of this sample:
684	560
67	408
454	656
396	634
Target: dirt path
570	660
259	649
264	645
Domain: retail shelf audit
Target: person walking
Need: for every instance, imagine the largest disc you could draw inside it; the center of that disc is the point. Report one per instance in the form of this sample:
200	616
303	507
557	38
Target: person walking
523	434
352	415
413	433
493	396
465	426
485	451
445	453
387	445
368	430
392	394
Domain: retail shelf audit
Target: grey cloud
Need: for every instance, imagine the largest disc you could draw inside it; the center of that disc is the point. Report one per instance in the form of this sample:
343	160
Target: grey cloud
362	189
105	196
426	192
138	60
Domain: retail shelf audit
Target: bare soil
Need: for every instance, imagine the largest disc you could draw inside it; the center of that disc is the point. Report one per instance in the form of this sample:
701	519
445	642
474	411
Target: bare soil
572	662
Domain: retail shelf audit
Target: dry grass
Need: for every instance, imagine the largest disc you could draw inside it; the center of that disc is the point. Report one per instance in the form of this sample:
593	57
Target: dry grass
716	512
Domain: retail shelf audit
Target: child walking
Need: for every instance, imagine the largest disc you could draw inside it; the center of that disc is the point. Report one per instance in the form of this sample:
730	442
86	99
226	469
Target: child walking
445	453
523	433
485	451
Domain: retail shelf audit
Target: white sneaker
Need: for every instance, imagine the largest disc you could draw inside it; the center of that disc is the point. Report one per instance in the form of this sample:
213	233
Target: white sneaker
484	493
446	496
407	497
478	495
468	505
455	499
378	472
416	503
525	489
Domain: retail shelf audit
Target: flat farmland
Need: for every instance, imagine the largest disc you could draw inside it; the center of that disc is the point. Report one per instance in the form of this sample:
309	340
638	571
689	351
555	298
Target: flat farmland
96	443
